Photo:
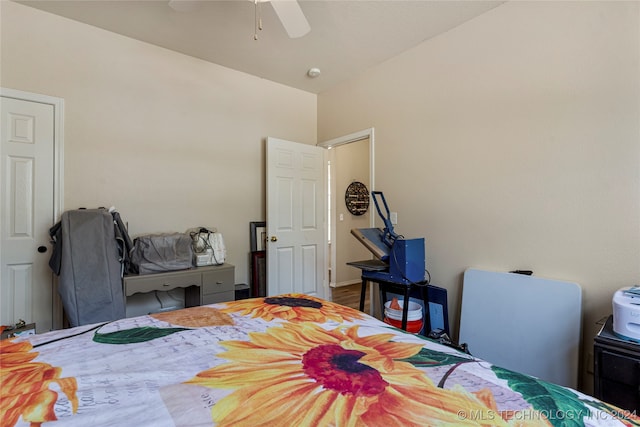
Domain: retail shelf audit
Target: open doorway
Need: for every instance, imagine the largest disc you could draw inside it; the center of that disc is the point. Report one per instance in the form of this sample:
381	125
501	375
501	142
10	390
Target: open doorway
351	158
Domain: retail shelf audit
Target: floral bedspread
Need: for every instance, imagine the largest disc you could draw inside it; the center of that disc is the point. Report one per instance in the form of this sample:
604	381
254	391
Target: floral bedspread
292	360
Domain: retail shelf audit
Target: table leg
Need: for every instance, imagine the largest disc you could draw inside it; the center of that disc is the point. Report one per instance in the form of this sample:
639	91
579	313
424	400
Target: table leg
362	293
405	308
374	296
384	298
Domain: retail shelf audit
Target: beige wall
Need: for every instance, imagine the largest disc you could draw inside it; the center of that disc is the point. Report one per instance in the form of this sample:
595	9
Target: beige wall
171	141
351	163
513	141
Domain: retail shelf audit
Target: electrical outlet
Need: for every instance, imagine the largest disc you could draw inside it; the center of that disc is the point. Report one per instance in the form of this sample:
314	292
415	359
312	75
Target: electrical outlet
393	216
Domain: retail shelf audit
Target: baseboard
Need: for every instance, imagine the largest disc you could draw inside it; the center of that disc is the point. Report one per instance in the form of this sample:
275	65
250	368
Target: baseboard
345	283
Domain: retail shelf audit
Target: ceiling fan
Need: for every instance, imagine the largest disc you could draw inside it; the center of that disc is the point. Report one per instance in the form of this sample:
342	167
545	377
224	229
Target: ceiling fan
288	11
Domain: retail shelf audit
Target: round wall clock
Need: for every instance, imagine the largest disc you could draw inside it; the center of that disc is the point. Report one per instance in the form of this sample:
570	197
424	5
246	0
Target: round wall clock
357	198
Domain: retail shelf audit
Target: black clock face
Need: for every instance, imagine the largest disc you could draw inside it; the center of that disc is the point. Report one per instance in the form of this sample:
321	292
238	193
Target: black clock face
357	198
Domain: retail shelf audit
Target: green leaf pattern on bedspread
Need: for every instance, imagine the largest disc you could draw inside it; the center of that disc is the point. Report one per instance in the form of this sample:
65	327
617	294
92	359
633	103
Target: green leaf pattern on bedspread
432	358
135	335
621	414
562	407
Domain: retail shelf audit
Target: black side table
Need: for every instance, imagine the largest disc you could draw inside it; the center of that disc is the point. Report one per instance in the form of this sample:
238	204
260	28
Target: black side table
401	289
435	312
617	369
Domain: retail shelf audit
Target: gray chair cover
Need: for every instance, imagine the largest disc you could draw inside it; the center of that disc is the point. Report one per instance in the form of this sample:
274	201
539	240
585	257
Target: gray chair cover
90	268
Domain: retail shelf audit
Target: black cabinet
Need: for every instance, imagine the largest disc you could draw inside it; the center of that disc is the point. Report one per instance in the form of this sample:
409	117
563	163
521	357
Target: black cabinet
617	369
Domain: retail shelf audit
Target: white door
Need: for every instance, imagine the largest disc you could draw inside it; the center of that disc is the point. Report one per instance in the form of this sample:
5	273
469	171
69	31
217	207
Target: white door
27	211
296	230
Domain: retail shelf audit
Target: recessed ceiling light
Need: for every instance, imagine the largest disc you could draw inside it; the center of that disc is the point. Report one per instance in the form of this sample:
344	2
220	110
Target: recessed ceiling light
313	72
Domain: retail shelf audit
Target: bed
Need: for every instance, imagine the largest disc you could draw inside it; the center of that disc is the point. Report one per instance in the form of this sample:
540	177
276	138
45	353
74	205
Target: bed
290	360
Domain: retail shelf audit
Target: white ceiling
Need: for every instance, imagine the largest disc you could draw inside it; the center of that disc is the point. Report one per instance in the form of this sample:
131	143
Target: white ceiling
346	37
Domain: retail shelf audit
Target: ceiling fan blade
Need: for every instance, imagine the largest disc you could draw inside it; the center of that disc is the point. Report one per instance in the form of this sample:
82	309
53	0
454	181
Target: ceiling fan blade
292	18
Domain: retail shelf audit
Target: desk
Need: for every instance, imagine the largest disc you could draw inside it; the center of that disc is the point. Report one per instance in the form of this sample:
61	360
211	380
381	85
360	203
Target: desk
203	285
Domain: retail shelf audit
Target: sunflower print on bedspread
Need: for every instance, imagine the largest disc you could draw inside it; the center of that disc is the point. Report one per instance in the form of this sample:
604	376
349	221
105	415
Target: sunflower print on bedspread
303	375
293	308
24	386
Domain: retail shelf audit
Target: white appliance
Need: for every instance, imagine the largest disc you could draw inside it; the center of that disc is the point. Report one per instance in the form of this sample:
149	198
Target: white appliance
626	313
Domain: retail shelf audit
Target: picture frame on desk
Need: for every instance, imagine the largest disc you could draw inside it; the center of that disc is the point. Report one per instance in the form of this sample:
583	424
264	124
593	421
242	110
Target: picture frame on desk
258	274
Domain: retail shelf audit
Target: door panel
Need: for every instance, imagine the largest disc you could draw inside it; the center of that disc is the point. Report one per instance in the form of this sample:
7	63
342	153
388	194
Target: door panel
284	198
20	183
309	208
18	291
27	170
309	267
296	242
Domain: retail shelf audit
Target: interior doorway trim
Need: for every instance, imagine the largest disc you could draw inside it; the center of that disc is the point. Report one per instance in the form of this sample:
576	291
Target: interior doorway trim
342	140
58	169
355	137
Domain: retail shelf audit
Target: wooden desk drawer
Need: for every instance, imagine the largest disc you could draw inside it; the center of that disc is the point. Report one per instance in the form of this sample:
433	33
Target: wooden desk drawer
160	282
218	281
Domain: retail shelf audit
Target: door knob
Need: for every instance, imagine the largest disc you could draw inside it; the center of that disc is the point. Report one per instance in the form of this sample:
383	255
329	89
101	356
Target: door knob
42	249
274	239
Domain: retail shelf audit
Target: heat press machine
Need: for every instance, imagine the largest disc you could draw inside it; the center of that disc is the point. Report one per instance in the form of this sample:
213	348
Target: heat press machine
399	269
399	260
